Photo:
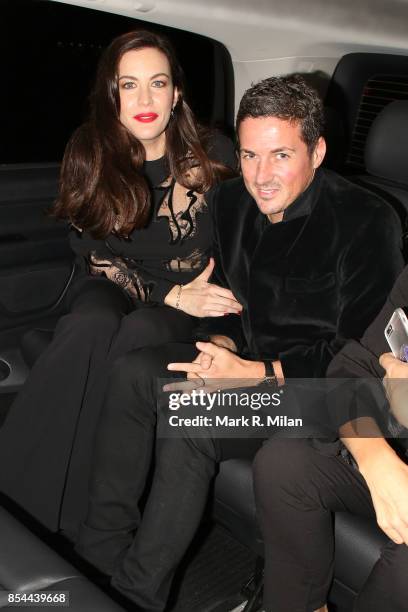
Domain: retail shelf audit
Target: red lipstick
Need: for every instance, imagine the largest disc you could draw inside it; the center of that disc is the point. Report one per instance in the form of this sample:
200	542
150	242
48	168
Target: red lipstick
145	117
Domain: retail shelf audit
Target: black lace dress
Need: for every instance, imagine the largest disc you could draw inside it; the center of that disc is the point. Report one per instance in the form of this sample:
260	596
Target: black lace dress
172	249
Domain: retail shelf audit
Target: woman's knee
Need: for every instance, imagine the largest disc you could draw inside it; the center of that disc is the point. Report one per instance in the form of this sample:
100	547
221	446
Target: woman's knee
90	325
146	327
93	294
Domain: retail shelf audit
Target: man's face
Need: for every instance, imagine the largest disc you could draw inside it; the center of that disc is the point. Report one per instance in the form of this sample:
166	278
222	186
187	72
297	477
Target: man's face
276	163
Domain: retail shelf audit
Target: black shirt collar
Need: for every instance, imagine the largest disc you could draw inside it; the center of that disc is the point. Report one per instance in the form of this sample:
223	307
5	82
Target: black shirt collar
304	203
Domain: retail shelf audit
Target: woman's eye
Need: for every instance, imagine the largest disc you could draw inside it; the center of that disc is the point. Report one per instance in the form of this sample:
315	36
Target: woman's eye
159	83
128	85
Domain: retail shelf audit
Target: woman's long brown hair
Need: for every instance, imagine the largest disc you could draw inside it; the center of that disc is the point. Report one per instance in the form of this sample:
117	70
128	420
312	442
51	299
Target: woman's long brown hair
102	188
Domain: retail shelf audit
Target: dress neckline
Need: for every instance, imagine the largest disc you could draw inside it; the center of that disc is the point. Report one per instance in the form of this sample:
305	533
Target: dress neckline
156	171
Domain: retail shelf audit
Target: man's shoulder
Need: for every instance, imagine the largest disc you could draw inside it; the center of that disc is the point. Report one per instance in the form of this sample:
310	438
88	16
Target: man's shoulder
352	200
232	187
226	194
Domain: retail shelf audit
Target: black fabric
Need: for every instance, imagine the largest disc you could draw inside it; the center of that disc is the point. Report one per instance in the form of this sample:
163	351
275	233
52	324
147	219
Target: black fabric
46	439
33	343
307	284
359	360
297	488
385	150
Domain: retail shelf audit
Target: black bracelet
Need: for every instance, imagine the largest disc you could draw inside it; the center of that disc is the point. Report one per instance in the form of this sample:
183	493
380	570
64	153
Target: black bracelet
270	376
269	371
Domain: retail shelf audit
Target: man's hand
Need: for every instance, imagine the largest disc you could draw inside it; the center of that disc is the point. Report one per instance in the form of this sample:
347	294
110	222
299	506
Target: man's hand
224	342
387	479
396	386
385	474
205	359
224	364
394	368
213	366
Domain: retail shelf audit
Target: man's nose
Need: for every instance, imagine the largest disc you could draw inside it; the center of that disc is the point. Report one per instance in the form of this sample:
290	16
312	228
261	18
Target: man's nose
265	172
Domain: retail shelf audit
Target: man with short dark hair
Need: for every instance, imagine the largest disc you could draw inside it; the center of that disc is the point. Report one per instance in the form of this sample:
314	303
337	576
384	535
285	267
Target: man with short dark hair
311	257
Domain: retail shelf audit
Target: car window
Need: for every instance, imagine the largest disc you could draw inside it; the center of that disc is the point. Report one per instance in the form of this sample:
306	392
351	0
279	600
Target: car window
49	55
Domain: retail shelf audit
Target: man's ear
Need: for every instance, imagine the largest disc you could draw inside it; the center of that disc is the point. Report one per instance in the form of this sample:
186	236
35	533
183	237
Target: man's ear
319	152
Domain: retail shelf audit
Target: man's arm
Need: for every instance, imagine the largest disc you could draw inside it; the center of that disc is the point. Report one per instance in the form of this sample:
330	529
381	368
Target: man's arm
366	273
359	360
384	472
229	326
387	479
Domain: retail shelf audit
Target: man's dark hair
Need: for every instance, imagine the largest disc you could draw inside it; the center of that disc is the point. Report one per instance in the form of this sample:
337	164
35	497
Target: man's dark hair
285	97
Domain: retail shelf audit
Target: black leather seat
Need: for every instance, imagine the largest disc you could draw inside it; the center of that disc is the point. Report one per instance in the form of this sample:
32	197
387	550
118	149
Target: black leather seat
386	157
28	565
361	85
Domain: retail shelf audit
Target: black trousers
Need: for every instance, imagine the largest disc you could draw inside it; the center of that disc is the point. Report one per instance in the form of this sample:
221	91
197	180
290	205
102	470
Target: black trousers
46	441
297	489
142	553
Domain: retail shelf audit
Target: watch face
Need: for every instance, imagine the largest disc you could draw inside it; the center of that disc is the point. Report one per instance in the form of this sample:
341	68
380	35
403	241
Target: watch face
270	381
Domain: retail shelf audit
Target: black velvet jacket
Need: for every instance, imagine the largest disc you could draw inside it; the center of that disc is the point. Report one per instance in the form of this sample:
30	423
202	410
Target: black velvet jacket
308	283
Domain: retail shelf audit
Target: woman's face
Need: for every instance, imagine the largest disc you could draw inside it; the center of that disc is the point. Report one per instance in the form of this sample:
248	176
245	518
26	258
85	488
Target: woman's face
147	96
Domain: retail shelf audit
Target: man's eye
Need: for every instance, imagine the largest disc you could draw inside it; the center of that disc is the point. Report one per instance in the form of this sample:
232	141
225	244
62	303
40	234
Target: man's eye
247	156
282	156
159	84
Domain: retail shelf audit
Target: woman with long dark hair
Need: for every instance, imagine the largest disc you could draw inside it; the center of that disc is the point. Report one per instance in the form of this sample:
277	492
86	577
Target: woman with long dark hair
133	181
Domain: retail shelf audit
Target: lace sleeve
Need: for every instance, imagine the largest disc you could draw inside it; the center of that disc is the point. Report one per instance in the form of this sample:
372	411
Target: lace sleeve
119	272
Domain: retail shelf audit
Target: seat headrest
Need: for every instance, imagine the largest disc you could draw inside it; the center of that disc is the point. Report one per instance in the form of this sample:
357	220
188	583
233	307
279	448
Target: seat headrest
386	150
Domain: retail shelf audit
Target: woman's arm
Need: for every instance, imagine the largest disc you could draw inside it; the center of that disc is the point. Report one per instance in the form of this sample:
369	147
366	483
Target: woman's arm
201	298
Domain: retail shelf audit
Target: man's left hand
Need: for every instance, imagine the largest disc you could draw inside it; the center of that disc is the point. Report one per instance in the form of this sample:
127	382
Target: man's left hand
396	386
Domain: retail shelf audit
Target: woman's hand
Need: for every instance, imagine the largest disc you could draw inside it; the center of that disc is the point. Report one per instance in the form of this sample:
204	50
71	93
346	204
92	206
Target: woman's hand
396	386
203	299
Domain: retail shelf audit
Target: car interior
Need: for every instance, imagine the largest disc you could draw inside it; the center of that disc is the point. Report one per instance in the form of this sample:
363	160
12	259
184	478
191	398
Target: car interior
355	53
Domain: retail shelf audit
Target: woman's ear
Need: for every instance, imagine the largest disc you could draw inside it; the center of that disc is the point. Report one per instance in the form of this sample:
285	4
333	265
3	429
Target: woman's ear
176	97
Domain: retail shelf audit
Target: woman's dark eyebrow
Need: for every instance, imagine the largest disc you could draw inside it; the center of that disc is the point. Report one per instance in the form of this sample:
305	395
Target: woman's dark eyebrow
154	76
